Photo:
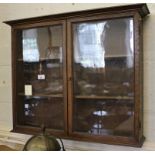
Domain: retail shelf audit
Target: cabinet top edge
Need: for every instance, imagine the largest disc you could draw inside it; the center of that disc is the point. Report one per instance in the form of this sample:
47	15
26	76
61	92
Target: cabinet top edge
141	8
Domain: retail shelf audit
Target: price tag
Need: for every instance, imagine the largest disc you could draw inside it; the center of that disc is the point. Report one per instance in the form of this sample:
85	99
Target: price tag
41	76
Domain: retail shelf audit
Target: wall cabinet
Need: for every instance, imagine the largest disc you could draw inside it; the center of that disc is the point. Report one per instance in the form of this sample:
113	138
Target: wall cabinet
80	74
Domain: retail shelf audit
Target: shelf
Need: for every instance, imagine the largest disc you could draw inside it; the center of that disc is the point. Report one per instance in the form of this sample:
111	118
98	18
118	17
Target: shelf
56	59
41	95
40	60
103	97
118	56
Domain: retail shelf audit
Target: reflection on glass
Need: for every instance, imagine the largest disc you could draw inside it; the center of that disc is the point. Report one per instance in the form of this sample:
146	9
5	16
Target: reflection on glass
101	37
86	41
104	77
41	43
30	47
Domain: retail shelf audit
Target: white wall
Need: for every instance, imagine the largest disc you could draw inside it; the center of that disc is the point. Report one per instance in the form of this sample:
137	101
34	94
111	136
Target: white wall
19	11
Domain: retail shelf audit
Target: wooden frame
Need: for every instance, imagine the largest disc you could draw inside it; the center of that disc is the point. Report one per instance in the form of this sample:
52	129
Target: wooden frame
137	12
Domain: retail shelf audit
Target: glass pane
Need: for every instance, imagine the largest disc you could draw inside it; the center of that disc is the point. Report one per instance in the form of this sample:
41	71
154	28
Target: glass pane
47	111
42	76
104	77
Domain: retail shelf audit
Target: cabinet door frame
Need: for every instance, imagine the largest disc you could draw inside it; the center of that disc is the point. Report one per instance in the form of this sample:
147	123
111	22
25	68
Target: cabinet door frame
138	138
15	47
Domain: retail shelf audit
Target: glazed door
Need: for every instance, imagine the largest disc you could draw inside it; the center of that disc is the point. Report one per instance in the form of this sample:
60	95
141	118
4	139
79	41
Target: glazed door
101	85
41	70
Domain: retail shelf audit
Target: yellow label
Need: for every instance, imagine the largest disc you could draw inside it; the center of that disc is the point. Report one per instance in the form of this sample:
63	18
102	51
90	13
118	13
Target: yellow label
28	89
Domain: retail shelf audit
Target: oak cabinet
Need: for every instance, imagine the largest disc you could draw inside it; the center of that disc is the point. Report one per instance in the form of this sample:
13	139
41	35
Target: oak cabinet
80	74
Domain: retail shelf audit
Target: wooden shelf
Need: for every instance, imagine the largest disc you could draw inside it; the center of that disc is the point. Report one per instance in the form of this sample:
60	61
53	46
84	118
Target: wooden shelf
41	95
40	60
118	56
103	97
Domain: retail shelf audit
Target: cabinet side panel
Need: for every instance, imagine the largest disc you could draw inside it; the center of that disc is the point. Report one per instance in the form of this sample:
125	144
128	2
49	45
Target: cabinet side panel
138	79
